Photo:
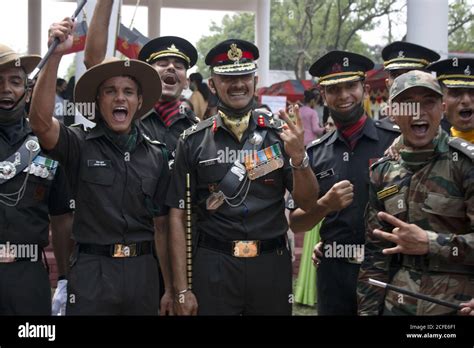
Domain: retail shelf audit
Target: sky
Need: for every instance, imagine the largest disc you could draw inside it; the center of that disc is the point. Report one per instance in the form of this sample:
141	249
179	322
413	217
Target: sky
14	31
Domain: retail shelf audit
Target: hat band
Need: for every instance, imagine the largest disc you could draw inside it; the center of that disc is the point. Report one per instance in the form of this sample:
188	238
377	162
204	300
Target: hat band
453	76
404	59
345	73
168	53
225	57
8	53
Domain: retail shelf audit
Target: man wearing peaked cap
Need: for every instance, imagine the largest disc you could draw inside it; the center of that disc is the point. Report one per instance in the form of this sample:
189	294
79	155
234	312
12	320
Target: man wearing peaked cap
118	177
400	57
240	162
420	216
33	197
456	76
340	161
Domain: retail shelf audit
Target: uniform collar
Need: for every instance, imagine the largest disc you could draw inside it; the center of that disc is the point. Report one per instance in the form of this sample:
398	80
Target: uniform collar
98	131
369	131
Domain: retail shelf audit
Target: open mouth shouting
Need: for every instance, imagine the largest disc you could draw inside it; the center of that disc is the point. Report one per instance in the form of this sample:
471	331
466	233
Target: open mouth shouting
170	79
420	128
6	103
120	113
466	114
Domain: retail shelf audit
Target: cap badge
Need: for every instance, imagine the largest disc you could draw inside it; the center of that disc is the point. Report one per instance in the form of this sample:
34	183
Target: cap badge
401	54
173	48
235	53
467	71
336	68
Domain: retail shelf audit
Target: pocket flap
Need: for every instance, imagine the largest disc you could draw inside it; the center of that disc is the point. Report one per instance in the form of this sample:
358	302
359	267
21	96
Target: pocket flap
439	204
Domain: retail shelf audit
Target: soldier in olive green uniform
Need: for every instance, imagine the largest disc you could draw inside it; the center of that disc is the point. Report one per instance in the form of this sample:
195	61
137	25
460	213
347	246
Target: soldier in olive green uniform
420	217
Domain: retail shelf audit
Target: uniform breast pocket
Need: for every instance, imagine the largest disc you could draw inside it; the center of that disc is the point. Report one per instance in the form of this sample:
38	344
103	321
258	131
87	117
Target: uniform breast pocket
36	192
96	185
269	185
326	180
439	204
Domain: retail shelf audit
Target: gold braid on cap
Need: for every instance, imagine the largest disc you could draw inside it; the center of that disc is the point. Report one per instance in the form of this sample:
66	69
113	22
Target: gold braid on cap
459	76
168	53
346	73
403	59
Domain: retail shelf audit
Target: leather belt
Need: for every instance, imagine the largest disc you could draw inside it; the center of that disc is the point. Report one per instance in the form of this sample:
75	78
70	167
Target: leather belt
434	264
242	248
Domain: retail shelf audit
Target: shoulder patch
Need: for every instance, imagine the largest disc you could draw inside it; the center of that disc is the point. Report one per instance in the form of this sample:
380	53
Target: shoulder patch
387	125
463	146
198	127
320	140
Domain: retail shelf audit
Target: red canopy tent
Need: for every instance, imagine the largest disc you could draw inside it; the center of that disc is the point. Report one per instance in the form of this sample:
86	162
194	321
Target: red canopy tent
292	89
376	79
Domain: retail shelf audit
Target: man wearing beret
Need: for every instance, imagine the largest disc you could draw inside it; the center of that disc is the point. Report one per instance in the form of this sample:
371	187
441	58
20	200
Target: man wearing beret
33	194
420	215
240	163
341	159
118	178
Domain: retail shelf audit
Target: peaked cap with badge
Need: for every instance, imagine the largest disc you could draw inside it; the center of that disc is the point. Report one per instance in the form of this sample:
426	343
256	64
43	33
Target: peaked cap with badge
340	66
233	57
169	46
406	55
455	72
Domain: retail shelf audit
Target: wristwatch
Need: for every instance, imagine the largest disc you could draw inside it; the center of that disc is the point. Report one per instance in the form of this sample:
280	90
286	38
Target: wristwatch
303	164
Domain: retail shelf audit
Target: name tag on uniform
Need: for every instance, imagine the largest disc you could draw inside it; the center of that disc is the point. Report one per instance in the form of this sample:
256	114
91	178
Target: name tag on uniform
97	163
325	174
209	162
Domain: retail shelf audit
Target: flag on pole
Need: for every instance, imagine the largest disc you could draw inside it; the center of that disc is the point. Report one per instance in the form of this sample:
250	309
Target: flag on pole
130	42
79	38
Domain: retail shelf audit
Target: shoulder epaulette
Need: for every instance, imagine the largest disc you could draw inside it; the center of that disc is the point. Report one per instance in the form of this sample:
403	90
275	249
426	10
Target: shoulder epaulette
380	161
387	125
264	118
463	146
198	127
152	141
192	116
320	140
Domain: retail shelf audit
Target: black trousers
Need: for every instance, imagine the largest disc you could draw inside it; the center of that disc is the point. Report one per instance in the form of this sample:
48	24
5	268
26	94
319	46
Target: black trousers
24	289
336	287
227	285
102	285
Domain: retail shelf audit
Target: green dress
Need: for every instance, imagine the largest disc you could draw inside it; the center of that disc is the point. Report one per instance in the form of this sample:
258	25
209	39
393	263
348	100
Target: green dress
305	292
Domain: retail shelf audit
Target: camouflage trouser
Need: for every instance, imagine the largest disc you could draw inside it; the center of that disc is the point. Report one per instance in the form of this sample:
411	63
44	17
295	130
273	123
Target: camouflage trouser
454	288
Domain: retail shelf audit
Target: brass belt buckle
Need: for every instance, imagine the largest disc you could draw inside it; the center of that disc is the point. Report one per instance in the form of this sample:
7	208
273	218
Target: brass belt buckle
245	248
122	250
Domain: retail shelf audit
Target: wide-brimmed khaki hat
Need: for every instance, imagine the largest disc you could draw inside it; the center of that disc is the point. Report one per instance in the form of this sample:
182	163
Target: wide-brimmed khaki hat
11	59
150	83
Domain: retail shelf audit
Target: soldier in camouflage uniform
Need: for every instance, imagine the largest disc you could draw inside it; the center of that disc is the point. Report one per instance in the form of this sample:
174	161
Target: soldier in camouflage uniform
420	217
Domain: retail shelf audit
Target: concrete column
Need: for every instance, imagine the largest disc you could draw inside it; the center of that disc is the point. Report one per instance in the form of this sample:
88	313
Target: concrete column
262	35
79	58
154	18
427	24
34	26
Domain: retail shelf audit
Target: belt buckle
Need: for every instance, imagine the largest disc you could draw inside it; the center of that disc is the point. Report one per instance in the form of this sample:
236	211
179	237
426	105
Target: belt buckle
123	250
245	248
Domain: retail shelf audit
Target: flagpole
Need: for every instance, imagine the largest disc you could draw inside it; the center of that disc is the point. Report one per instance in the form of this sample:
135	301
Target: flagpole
117	28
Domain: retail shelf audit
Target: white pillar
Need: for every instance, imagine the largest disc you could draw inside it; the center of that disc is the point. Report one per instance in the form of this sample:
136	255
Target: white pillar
262	36
154	18
429	29
79	59
34	26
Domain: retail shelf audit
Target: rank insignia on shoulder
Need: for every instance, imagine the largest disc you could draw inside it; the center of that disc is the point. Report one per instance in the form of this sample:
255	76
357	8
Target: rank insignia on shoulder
387	192
462	145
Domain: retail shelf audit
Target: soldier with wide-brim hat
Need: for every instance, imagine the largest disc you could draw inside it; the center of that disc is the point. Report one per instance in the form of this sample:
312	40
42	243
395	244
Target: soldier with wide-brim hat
33	198
118	177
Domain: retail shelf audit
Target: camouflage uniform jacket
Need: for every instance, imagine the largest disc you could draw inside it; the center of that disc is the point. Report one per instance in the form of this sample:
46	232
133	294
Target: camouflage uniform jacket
439	198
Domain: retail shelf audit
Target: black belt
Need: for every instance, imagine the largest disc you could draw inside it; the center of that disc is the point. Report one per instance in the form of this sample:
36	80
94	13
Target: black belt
242	248
39	258
118	250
